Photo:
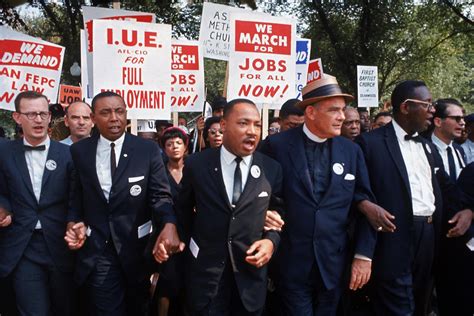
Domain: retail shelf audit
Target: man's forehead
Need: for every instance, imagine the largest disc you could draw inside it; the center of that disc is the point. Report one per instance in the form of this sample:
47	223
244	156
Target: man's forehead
111	102
422	93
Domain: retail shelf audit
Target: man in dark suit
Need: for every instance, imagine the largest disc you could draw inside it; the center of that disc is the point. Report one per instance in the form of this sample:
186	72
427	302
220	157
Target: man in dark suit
407	178
323	176
120	188
35	181
231	188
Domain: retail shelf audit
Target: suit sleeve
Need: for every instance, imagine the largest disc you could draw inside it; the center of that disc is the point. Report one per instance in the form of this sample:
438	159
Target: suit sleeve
276	204
159	198
4	192
75	213
185	205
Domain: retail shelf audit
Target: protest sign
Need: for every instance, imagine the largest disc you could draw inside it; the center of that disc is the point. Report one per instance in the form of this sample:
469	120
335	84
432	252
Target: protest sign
262	59
86	88
303	49
146	126
367	86
214	33
315	70
94	13
69	94
28	63
187	77
133	59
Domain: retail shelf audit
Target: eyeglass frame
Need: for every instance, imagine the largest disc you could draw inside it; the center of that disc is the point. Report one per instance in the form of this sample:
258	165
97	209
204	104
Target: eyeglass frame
214	131
36	114
457	118
426	105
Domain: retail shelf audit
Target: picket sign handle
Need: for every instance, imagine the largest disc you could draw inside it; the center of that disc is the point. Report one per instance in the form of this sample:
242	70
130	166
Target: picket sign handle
265	121
134	127
224	93
174	117
276	113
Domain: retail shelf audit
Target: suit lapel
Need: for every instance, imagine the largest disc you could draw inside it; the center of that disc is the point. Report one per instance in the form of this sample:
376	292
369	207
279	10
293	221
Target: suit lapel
298	158
52	155
336	156
391	142
124	157
251	184
215	171
89	158
22	166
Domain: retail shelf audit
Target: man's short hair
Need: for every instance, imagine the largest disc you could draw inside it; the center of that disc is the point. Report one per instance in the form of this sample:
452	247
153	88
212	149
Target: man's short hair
230	105
28	95
289	108
218	103
380	114
441	105
404	90
105	94
66	109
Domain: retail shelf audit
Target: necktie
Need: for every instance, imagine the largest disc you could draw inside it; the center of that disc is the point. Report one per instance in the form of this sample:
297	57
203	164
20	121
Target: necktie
40	148
452	166
113	163
416	138
237	181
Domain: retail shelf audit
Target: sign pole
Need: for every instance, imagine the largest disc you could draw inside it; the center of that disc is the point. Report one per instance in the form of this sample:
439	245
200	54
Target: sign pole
265	121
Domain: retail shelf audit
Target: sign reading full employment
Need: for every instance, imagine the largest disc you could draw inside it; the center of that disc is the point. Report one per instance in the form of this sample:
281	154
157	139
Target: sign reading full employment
27	63
96	13
367	86
303	49
187	77
262	59
315	70
133	60
69	94
214	33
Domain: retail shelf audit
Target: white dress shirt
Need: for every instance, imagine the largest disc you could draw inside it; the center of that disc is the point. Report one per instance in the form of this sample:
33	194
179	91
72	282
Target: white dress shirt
468	147
102	162
228	169
443	151
36	161
419	173
67	141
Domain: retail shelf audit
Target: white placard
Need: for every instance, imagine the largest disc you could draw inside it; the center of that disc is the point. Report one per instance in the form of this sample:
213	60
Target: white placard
214	33
133	59
28	63
303	50
187	77
262	59
367	86
86	88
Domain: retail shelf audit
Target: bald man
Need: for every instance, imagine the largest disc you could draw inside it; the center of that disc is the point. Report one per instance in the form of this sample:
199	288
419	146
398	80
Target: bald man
78	120
351	125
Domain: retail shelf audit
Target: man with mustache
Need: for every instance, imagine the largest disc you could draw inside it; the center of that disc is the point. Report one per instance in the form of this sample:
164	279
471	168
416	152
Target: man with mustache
225	194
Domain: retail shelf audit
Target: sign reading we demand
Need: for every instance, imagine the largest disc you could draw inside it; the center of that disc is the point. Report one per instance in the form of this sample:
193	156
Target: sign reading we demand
262	59
27	63
133	59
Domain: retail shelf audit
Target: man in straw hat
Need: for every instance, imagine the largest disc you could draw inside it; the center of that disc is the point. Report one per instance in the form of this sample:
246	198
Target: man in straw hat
324	174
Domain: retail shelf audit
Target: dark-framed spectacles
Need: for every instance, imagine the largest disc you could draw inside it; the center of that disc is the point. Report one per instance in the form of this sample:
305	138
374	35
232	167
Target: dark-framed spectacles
457	118
274	129
32	115
426	105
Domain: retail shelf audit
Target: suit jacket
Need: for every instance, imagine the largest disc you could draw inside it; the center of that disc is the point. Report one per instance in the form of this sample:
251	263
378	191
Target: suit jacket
17	196
318	233
140	169
389	181
224	234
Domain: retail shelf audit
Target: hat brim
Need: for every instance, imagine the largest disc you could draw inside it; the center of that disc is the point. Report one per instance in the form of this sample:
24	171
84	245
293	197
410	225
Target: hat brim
304	103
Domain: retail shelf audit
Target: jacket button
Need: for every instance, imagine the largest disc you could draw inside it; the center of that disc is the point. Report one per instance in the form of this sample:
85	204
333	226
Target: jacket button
233	217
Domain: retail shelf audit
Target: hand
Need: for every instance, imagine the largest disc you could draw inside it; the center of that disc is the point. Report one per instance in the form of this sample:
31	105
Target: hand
273	221
200	123
462	221
167	243
379	218
360	273
5	221
75	235
260	252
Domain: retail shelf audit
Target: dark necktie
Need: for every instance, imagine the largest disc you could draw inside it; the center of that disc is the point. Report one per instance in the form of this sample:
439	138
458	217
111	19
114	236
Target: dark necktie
452	166
113	162
416	138
40	148
237	181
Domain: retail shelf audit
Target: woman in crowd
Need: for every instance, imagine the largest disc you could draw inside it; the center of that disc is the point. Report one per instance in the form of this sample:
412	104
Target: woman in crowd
212	132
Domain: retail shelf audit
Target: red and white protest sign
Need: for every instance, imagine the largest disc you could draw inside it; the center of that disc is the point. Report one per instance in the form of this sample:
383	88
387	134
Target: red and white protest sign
315	70
262	59
187	77
69	94
28	63
96	13
133	59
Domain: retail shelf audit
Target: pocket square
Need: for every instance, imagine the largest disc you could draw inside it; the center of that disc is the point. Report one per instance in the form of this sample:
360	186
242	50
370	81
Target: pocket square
263	194
436	170
135	179
349	176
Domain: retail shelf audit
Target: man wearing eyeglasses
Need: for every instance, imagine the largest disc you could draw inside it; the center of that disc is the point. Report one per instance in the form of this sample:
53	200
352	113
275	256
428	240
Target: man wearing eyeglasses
35	176
408	179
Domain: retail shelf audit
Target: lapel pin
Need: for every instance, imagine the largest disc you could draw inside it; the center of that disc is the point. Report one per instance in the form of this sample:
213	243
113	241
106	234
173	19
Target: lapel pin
125	155
255	171
337	168
51	165
215	169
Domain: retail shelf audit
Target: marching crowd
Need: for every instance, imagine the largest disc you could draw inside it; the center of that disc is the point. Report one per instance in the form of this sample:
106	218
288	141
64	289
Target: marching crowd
334	213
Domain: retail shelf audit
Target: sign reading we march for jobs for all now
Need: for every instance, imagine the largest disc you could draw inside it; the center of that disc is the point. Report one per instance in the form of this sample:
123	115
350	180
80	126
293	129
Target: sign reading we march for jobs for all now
133	60
28	63
262	59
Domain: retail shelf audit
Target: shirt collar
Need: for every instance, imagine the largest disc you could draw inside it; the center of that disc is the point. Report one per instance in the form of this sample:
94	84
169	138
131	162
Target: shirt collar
312	136
45	142
106	143
400	132
230	157
439	143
